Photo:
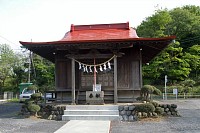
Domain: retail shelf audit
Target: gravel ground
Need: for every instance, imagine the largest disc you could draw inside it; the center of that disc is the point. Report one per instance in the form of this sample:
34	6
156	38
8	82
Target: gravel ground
11	122
189	122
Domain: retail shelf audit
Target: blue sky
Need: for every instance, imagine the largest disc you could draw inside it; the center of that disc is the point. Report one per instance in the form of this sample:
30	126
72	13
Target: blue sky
49	20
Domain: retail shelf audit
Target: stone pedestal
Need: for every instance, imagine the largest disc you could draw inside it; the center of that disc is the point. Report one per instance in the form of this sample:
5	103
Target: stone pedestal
94	97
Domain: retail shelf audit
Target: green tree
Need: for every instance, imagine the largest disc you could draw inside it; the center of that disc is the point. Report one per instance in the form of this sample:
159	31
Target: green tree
155	25
187	85
170	62
11	69
7	59
44	73
185	25
192	9
177	60
193	58
19	75
175	66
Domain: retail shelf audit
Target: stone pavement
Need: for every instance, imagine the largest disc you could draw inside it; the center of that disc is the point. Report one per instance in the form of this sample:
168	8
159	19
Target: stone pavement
85	126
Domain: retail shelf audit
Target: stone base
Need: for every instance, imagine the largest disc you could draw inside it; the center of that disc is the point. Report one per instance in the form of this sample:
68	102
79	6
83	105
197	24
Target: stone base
94	97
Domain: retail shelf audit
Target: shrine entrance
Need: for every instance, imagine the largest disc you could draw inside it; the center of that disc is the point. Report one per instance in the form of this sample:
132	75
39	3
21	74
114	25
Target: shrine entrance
96	81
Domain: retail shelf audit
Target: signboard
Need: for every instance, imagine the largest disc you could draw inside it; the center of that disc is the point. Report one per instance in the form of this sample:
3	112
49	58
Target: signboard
166	78
175	91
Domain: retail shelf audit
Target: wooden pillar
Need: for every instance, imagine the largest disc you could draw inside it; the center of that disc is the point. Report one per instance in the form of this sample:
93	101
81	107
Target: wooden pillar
115	80
141	68
73	81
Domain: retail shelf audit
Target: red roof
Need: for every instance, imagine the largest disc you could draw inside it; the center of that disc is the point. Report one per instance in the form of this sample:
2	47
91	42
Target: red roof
100	32
101	36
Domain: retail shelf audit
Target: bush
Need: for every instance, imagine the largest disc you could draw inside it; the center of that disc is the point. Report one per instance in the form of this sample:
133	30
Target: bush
36	97
147	90
159	110
147	108
155	104
32	87
140	99
27	102
157	91
34	108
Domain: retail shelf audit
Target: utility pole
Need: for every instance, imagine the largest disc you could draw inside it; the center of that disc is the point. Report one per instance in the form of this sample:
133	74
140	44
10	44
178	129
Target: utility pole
29	68
165	87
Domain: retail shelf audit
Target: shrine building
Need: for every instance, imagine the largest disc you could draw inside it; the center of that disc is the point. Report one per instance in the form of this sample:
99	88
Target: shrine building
100	57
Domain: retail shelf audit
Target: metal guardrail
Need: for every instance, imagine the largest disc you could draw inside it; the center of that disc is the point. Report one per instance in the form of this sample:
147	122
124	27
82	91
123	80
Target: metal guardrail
172	96
9	96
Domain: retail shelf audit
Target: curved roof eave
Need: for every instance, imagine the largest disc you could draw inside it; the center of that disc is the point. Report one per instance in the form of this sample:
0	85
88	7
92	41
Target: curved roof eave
96	41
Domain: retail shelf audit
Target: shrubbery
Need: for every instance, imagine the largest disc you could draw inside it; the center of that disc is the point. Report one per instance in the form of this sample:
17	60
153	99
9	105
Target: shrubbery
31	105
27	102
159	110
147	90
34	108
147	108
32	87
155	104
36	97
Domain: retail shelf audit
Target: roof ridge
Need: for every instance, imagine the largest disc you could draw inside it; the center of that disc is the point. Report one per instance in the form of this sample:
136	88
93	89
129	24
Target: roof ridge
100	26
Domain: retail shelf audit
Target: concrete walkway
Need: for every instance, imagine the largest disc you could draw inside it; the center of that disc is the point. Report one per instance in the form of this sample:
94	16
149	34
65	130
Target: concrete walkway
3	100
85	126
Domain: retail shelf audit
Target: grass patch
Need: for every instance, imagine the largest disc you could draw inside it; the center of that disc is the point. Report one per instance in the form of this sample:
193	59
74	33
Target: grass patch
14	100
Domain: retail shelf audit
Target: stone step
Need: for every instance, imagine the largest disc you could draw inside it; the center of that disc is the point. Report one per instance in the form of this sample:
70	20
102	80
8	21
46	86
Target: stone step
91	112
92	107
90	117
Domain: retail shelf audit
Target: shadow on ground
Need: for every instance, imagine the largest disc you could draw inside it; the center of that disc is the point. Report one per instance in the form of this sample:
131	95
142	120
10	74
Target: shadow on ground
10	110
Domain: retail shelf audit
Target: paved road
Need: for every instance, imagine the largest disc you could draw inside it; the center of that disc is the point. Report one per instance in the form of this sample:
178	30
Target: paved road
188	123
11	122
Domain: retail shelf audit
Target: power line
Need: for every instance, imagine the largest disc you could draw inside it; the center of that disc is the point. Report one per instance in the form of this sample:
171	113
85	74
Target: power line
7	40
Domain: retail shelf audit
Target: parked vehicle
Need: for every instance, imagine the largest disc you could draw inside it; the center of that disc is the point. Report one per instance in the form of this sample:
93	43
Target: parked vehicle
26	94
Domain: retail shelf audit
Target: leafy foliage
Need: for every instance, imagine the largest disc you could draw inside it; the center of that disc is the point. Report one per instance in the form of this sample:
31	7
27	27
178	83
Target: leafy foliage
187	84
193	58
159	110
45	73
155	104
36	97
32	87
34	108
9	61
155	25
180	60
147	108
146	90
14	70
